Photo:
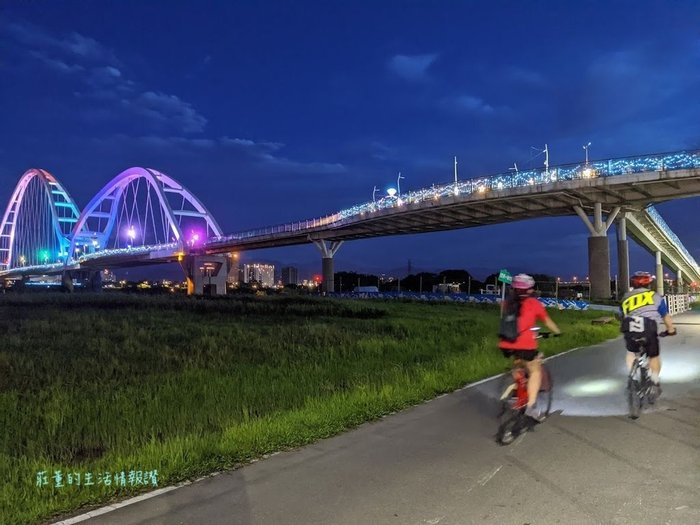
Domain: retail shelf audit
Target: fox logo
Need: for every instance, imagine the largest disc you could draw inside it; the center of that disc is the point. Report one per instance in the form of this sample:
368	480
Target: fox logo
637	301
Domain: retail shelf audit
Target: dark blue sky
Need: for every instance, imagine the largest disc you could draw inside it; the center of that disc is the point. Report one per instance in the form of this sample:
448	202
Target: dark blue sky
277	111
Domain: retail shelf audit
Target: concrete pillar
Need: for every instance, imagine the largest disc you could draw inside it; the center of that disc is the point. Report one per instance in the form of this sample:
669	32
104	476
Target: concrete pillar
598	249
679	281
327	253
205	274
623	258
659	274
95	281
67	282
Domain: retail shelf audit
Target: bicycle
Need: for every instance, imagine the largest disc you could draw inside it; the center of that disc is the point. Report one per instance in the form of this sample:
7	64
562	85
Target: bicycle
512	420
640	388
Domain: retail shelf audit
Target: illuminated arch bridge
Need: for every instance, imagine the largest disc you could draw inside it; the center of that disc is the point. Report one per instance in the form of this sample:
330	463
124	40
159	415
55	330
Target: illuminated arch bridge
141	216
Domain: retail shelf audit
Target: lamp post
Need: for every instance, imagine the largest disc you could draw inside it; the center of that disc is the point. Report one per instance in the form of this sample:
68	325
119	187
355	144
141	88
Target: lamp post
374	193
131	233
585	147
398	183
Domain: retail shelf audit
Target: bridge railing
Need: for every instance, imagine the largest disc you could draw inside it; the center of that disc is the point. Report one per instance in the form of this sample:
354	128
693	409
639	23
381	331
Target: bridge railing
498	182
669	233
134	250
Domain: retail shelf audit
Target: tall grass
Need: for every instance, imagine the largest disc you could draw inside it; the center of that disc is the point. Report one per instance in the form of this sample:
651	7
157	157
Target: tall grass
189	386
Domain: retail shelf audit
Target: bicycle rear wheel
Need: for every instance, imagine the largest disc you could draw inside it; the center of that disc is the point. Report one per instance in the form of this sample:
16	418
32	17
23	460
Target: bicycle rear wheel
634	397
511	425
544	397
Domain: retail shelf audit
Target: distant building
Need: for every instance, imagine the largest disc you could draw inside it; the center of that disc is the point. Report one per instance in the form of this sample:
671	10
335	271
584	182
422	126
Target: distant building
290	275
262	273
108	276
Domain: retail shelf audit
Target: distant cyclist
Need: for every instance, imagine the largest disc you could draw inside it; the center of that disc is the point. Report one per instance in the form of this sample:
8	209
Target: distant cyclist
642	310
529	311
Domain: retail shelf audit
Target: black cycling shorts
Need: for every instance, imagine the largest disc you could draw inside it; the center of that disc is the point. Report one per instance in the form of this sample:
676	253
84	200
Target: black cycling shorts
651	344
644	329
525	355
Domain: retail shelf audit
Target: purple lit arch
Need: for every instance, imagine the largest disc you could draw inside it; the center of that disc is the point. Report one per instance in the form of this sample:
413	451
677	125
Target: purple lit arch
141	207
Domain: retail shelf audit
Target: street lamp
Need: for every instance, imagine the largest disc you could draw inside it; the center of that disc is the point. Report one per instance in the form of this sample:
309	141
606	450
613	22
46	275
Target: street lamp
374	192
22	260
391	192
586	149
131	233
398	183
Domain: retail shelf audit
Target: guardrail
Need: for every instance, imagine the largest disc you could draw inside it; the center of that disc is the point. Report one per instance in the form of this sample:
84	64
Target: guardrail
549	302
501	181
678	303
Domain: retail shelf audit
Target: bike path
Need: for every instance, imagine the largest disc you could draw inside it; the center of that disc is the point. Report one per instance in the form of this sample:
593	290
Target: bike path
437	463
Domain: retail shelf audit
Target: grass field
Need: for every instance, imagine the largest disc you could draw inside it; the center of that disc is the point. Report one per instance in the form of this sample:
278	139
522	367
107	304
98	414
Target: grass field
185	386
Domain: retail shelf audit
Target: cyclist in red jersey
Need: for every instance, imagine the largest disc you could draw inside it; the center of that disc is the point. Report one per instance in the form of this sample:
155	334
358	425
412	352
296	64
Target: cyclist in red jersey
530	311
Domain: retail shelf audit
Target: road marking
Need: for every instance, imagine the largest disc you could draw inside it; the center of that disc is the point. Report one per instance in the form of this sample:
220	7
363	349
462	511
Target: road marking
483	481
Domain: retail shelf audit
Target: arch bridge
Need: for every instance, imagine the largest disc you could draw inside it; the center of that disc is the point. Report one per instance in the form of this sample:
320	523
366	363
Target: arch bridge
143	216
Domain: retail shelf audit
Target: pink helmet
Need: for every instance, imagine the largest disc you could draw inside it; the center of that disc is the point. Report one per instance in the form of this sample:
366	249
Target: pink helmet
523	281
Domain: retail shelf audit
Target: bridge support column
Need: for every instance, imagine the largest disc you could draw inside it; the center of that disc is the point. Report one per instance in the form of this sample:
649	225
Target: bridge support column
598	249
623	258
206	274
327	253
94	281
67	282
679	281
659	274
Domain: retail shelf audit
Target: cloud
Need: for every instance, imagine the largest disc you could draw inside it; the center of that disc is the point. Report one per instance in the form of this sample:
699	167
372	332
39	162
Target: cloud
103	81
523	76
412	67
55	64
169	109
74	45
470	104
246	154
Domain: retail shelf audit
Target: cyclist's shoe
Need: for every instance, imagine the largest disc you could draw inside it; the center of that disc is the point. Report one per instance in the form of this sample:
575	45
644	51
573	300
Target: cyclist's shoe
656	389
534	413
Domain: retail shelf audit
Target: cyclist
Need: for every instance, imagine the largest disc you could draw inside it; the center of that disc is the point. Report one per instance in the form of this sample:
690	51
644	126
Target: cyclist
529	311
642	309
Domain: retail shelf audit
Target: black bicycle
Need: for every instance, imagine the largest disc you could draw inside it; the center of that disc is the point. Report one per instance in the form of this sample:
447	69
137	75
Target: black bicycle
641	389
512	420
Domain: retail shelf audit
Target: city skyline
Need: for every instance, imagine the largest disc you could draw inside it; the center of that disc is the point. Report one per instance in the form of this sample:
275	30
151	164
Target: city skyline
331	117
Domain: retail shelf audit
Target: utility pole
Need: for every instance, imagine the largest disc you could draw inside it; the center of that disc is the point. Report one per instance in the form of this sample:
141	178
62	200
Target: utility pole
469	286
420	285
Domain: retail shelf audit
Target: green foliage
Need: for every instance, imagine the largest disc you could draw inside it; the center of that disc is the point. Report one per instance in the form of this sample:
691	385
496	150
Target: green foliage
188	386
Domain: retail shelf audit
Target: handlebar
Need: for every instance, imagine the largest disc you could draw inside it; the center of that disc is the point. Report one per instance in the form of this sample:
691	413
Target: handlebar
544	335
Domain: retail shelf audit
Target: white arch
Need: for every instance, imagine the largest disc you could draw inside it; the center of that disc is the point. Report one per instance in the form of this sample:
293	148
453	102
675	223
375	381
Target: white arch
57	196
114	191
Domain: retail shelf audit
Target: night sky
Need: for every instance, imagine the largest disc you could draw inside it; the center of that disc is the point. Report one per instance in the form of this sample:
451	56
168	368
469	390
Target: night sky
276	111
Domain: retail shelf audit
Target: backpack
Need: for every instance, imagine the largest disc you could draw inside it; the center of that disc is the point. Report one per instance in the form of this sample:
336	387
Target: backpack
508	329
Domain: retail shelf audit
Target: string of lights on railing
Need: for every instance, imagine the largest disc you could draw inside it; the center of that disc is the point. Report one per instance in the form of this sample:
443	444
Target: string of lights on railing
482	185
662	224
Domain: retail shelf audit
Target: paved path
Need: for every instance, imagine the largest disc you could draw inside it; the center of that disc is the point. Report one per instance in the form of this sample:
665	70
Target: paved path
437	463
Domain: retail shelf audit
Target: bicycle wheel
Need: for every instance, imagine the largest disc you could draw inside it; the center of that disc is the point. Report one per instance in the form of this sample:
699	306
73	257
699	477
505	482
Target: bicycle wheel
544	397
510	425
634	397
647	387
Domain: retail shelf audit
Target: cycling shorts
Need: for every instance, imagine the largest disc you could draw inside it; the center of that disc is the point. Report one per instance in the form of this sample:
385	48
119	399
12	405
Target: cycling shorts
525	355
638	327
651	345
